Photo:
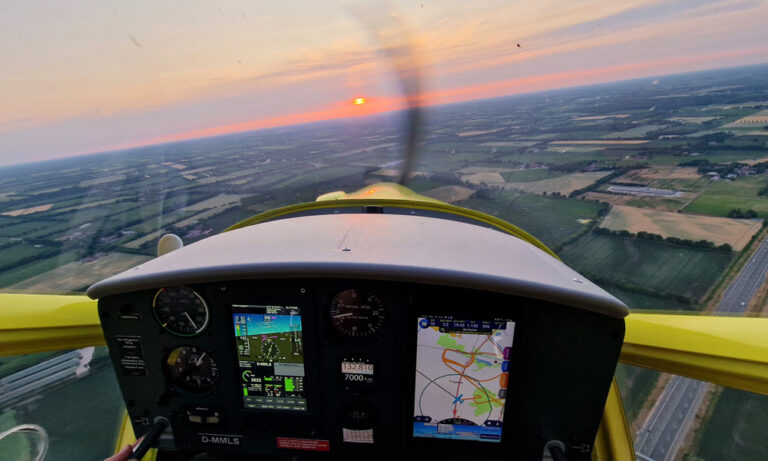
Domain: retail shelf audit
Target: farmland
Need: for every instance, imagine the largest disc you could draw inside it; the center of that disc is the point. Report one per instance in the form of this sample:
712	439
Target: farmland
76	275
549	219
561	184
722	197
659	267
636	132
529	175
636	385
450	194
736	429
735	232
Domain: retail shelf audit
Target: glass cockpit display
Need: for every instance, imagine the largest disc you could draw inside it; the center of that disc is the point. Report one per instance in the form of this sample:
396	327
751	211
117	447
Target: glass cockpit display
270	349
462	372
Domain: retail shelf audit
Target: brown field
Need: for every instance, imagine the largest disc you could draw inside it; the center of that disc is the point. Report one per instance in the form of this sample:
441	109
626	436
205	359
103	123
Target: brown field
648	174
759	118
387	172
450	194
735	232
563	184
692	119
221	200
483	169
653	203
31	210
135	244
77	274
754	161
475	132
487	178
203	215
613	199
601	141
601	117
88	205
508	144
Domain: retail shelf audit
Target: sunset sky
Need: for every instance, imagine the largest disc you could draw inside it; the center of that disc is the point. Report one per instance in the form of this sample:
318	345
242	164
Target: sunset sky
85	76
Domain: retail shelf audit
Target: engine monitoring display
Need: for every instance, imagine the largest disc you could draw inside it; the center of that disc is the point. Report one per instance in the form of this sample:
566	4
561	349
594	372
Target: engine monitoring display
270	351
462	371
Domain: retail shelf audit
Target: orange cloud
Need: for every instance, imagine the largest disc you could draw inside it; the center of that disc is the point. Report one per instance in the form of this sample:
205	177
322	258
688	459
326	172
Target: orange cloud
337	111
476	91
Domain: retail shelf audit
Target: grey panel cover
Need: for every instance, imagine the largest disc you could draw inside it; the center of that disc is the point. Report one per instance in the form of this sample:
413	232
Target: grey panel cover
372	246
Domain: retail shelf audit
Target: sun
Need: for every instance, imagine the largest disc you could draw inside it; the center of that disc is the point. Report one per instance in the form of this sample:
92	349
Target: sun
359	101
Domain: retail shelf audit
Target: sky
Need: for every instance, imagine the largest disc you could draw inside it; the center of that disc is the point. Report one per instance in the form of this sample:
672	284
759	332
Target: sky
86	76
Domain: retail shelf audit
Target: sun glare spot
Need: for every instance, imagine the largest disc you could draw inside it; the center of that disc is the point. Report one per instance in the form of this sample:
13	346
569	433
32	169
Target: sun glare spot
358	101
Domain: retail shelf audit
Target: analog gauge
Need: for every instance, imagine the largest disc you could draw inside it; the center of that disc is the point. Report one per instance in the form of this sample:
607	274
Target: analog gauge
357	313
181	310
192	368
269	349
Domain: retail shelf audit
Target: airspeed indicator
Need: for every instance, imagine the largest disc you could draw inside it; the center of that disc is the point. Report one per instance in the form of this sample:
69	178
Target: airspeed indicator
181	311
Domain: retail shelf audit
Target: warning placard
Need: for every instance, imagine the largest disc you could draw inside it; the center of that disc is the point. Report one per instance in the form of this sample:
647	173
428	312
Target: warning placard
303	444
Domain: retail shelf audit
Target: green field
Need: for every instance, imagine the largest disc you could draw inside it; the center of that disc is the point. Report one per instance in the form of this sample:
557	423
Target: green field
422	184
736	430
649	265
561	184
17	446
34	228
536	174
692	185
36	268
320	176
639	301
636	132
551	220
81	417
724	196
635	386
21	251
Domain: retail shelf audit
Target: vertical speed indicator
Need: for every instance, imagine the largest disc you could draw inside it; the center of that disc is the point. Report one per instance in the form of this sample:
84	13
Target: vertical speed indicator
357	313
181	311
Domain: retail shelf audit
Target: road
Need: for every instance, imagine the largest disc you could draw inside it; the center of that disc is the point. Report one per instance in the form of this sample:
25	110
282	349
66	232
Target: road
671	418
741	291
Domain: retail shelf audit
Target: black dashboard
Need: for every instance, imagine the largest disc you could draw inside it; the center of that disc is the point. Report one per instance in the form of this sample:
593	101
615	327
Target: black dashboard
345	367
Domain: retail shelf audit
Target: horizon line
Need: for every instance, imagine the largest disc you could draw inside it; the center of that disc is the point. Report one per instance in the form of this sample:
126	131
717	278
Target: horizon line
393	108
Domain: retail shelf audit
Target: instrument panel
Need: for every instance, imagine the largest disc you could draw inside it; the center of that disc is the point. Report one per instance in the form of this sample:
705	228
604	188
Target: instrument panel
346	368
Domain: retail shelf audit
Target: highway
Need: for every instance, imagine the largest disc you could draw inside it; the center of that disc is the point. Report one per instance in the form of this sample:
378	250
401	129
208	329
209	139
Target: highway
741	291
672	416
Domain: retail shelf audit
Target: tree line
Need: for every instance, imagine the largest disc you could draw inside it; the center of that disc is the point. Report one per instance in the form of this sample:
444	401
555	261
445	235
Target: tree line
642	235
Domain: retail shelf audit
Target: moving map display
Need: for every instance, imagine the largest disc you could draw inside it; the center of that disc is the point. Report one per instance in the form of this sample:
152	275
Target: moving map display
270	351
462	372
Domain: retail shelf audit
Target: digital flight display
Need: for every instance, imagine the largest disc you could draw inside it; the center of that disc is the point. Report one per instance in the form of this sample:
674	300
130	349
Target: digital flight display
462	372
270	350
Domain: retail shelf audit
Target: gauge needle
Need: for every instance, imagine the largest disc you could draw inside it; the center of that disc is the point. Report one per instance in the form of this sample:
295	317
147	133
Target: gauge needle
190	320
200	360
338	316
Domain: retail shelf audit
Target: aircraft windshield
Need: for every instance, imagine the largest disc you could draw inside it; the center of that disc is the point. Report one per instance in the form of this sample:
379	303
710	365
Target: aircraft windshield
629	137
